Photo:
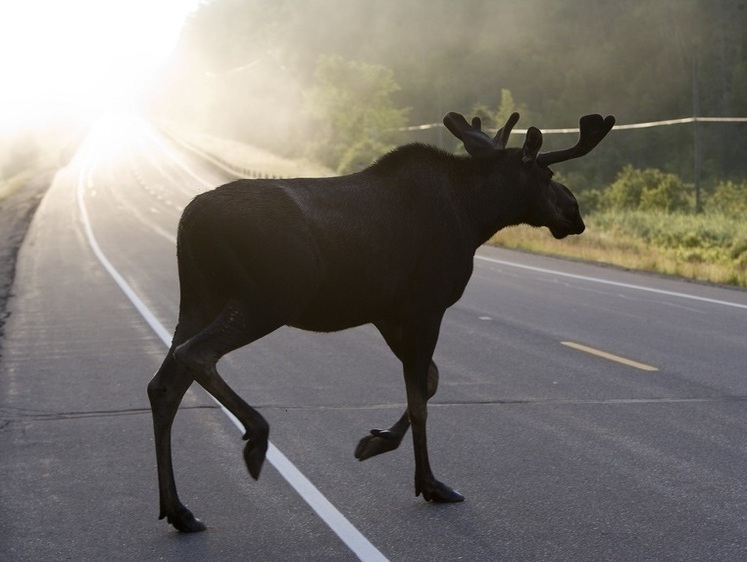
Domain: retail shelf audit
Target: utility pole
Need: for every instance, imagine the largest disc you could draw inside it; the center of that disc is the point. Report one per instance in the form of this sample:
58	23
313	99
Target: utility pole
697	154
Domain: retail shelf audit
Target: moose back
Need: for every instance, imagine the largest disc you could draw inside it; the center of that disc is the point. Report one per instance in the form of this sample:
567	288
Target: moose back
391	245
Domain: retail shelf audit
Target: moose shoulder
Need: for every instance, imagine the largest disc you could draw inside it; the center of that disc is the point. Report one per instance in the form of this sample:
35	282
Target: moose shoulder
391	245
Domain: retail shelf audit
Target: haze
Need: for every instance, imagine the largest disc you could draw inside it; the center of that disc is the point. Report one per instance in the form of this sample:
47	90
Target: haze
341	82
75	58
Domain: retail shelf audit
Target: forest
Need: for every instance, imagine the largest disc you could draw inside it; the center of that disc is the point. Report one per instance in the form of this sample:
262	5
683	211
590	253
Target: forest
342	82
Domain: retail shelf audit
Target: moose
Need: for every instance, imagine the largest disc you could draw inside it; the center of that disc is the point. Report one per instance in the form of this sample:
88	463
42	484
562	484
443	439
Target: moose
391	245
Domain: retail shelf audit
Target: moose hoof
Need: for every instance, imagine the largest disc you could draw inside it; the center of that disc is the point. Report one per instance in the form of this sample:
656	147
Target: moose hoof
185	522
380	441
254	456
438	492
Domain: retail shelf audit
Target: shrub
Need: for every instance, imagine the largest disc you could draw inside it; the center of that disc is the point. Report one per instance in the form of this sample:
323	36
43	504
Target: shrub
589	200
649	189
729	198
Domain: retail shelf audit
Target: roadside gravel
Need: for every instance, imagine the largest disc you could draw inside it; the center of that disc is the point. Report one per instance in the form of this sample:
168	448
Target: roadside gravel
16	212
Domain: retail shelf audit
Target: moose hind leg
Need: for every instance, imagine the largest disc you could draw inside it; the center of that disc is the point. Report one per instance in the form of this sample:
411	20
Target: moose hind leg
233	328
165	392
384	440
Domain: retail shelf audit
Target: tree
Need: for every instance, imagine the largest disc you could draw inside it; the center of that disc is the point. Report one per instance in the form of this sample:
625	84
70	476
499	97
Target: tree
245	63
356	119
494	119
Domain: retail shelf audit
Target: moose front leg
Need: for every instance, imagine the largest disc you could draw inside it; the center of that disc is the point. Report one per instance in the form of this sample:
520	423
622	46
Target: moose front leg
419	344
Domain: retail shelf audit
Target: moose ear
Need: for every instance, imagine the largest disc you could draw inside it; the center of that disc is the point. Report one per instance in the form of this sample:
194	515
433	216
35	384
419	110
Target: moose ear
532	145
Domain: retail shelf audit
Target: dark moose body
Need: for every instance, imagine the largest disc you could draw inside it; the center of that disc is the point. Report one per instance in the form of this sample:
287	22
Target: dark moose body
391	245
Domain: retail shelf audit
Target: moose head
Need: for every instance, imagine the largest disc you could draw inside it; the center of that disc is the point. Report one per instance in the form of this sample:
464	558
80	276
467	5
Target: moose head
551	203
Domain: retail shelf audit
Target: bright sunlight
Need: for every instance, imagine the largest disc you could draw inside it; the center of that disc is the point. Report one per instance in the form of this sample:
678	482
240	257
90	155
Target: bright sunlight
77	58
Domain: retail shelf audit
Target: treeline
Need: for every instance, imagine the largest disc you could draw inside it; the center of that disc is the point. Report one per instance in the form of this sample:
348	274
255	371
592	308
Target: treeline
338	81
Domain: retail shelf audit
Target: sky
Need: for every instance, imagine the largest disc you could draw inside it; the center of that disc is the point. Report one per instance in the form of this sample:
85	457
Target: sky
76	58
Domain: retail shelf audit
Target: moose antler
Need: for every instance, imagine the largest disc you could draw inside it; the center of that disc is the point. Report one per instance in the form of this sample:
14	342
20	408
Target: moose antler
593	129
501	137
475	140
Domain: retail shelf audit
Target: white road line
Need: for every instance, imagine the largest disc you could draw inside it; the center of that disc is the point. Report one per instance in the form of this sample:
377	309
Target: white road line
334	519
612	283
118	279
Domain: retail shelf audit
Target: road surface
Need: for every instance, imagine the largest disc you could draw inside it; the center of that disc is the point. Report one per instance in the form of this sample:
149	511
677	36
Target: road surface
586	413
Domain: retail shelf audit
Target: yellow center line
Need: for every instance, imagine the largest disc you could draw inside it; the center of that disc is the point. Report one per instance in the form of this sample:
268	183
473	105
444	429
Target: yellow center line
610	356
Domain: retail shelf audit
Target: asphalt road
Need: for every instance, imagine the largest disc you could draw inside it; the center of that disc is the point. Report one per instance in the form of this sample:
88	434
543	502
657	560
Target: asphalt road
586	413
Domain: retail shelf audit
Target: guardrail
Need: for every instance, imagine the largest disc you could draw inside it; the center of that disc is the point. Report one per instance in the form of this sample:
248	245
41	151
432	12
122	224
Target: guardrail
236	170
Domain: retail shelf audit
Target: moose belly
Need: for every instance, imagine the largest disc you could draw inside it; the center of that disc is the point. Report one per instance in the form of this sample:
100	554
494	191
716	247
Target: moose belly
333	311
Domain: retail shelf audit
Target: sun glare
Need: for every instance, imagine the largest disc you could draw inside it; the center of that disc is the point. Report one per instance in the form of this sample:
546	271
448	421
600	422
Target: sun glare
77	58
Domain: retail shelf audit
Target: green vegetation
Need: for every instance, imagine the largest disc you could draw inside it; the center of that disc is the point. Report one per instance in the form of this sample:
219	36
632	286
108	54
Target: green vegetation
648	189
730	198
645	220
350	139
707	247
334	80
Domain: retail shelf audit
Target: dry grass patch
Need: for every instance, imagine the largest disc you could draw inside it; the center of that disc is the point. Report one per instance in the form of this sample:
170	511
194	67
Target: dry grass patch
707	247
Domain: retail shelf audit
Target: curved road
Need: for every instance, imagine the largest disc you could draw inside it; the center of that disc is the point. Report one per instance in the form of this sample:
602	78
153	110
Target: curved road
585	412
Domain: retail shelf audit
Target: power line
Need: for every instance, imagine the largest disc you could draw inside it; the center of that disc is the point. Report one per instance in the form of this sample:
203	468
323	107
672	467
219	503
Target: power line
646	125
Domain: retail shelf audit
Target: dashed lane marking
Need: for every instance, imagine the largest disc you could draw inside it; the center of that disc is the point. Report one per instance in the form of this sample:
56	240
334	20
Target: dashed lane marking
610	356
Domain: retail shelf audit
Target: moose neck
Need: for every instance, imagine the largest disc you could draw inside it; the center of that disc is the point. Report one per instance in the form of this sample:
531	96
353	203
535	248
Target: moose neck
489	196
482	195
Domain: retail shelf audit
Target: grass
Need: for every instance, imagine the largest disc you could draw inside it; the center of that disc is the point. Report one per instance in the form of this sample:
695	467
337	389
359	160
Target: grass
12	184
47	150
707	247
